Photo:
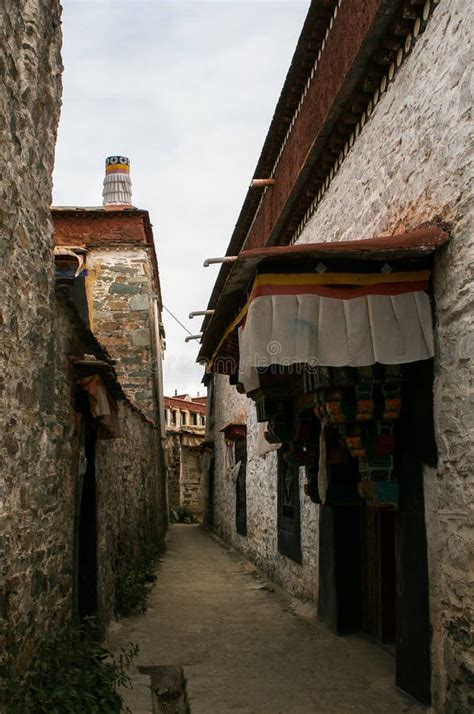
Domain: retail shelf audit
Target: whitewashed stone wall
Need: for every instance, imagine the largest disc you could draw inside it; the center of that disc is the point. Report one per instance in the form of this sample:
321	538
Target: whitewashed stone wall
412	163
260	544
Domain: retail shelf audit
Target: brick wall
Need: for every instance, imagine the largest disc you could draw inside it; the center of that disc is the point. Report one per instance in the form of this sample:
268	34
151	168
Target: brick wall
185	480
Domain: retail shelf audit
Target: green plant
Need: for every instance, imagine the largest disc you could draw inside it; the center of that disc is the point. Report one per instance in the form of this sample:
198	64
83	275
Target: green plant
135	579
69	673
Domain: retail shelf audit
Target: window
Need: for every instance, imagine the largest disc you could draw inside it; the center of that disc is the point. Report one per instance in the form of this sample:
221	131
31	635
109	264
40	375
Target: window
289	534
241	487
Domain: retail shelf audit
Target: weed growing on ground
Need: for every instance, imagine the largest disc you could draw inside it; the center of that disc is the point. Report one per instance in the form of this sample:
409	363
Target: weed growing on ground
134	581
69	673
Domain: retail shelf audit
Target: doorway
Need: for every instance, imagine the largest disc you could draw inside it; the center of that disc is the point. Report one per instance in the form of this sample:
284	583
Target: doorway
86	581
288	515
241	487
373	560
210	495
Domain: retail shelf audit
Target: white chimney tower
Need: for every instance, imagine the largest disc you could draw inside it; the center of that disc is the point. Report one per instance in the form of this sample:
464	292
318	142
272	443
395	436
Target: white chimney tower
117	184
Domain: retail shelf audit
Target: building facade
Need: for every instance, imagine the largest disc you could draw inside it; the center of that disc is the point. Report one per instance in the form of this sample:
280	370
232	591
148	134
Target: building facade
122	291
26	258
82	480
106	262
185	431
342	317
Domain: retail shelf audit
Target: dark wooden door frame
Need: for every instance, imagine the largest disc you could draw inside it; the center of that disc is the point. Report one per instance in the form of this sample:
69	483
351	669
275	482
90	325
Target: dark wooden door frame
416	446
288	513
241	487
86	596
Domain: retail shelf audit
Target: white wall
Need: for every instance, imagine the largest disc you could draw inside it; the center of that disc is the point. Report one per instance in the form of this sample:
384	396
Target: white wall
413	163
260	544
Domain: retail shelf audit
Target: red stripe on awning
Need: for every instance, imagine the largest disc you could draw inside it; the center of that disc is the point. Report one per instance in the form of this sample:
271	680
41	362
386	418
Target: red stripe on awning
341	292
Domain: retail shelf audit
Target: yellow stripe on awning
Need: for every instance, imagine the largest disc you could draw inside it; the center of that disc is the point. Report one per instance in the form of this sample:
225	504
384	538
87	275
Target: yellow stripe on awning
268	279
339	278
231	328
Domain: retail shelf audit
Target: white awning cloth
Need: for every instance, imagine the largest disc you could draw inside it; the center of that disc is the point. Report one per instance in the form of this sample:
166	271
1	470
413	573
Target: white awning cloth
326	331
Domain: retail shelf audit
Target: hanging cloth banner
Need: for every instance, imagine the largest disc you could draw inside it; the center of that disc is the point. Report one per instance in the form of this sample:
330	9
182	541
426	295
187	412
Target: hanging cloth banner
335	319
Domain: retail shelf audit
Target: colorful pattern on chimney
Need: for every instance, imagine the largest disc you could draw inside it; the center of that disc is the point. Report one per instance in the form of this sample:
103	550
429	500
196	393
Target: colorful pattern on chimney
117	183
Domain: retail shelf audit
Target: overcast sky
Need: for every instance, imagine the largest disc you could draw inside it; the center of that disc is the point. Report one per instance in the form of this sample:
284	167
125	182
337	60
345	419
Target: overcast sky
186	89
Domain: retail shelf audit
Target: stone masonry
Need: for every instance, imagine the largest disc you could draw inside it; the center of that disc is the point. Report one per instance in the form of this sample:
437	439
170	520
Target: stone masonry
412	163
119	287
260	544
32	433
41	334
131	494
185	433
122	285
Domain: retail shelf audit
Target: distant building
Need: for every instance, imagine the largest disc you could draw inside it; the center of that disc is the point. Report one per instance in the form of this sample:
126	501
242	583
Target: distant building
120	291
185	433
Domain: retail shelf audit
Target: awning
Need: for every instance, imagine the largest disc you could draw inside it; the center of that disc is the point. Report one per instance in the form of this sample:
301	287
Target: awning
350	303
103	406
335	320
234	432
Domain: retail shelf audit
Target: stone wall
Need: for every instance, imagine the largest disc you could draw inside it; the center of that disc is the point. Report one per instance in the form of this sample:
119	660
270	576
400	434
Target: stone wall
39	529
173	459
38	521
32	433
260	544
191	482
413	162
185	480
131	498
119	287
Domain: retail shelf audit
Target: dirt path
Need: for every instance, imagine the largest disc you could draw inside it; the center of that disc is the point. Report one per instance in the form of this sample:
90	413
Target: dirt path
243	648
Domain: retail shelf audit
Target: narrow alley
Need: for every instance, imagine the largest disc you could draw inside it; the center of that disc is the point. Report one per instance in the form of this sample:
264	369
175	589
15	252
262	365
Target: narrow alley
242	646
236	357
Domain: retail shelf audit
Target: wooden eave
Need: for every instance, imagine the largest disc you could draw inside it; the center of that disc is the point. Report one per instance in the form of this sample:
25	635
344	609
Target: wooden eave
419	243
361	44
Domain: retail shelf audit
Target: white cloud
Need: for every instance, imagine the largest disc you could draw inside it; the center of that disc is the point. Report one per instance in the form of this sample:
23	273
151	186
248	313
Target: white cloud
187	91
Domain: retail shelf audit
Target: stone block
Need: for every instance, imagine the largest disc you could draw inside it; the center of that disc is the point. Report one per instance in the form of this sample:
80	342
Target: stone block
123	289
140	338
139	302
145	394
119	268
